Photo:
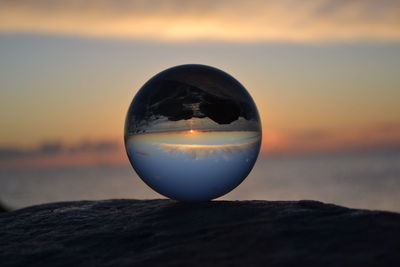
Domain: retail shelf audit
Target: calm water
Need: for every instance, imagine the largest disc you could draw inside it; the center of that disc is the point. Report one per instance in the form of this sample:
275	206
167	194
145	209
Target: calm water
194	165
363	181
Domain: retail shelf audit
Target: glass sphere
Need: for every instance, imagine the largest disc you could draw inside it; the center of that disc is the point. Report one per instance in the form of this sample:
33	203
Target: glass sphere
192	133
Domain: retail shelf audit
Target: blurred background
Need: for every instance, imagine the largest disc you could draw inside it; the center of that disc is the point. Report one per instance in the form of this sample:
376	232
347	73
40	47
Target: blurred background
325	75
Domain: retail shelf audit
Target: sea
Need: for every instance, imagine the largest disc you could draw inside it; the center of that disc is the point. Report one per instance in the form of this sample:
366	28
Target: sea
367	181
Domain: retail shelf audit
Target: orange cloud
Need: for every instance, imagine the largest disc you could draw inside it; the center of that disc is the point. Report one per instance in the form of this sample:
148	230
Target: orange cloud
220	20
57	154
380	137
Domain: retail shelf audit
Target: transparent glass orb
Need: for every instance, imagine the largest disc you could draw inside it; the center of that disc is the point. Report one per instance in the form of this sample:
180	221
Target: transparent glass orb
192	133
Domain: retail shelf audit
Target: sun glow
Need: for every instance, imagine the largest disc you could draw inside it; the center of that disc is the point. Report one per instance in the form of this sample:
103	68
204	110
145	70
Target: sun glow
222	20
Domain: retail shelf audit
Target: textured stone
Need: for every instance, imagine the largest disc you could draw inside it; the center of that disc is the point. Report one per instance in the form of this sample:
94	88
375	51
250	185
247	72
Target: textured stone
217	233
2	208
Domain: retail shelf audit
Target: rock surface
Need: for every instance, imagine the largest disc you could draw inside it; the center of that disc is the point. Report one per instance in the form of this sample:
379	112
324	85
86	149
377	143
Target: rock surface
2	208
218	233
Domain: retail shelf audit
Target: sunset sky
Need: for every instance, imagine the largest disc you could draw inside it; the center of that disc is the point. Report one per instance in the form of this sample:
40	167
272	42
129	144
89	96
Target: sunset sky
324	74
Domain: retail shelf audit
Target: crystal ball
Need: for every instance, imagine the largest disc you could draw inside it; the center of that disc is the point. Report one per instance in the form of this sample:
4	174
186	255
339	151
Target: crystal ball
192	133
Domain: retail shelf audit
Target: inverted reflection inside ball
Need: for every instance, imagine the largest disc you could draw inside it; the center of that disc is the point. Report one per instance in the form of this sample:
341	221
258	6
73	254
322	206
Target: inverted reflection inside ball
192	133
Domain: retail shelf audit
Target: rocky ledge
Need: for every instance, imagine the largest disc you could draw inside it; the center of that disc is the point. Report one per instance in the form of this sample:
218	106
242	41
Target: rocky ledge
2	208
217	233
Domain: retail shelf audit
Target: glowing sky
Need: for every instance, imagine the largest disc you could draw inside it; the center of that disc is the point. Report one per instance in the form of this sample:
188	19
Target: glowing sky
325	75
231	20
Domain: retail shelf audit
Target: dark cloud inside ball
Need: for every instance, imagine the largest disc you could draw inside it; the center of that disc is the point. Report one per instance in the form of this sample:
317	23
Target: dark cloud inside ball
193	91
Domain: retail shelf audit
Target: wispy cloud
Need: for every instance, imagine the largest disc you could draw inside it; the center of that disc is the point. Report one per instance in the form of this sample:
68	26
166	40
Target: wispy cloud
53	154
383	137
220	20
